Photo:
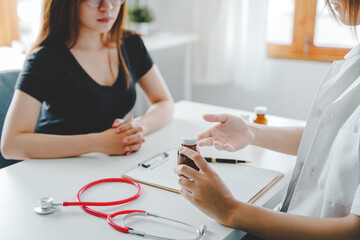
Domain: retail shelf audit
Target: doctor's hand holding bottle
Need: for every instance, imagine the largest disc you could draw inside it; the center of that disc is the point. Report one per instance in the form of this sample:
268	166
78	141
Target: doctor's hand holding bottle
206	190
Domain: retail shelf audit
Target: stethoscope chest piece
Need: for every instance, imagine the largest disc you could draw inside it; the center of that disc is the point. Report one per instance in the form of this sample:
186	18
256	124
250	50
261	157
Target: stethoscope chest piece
46	206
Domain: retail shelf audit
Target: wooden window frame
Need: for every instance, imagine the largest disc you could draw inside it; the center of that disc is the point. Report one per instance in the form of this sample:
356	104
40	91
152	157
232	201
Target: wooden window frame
9	24
302	46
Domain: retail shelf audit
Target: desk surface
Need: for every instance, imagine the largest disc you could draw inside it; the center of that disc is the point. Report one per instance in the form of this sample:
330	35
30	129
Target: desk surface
22	184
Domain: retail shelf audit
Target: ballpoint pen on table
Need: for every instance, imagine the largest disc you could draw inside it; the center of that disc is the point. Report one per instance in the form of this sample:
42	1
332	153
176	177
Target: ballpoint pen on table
223	160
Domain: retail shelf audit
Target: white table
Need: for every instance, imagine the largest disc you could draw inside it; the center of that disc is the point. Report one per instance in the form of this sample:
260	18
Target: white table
22	184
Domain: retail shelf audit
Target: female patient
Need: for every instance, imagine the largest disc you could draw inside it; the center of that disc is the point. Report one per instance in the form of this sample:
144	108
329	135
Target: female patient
323	198
80	78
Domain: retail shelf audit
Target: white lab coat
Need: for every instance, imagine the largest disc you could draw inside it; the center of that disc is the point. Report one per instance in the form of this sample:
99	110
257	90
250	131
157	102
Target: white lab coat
326	178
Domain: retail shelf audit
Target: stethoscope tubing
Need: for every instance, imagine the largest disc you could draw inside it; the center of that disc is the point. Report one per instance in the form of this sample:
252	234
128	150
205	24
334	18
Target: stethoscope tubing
116	226
109	217
104	204
84	205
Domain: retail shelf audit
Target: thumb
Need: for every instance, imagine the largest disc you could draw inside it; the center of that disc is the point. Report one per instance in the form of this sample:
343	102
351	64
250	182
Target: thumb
229	147
196	157
117	122
216	117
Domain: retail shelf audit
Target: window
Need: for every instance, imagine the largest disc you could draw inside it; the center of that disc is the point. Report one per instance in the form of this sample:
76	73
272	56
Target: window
29	14
280	21
19	20
304	29
9	29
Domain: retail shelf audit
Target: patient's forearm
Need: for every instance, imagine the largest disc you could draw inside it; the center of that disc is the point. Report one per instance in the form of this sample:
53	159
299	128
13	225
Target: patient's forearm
32	145
158	115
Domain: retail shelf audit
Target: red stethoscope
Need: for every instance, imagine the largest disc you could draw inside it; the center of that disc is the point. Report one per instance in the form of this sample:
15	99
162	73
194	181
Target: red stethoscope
48	206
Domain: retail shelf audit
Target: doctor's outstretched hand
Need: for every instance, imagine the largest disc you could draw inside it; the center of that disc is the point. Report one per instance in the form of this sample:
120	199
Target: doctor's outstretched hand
205	189
231	134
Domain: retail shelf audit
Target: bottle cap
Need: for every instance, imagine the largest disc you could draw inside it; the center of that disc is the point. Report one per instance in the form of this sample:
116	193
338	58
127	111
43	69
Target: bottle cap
189	139
260	110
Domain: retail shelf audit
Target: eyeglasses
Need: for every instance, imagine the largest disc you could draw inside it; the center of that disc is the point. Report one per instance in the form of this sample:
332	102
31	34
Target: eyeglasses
97	3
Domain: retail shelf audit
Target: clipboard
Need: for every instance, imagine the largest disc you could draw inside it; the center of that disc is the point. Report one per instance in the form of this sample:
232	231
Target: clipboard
246	183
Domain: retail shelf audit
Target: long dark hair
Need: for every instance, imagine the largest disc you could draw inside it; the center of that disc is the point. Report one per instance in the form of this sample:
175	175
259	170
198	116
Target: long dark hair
61	26
349	7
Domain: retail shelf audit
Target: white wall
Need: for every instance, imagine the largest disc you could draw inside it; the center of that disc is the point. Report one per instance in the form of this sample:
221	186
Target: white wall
288	90
172	15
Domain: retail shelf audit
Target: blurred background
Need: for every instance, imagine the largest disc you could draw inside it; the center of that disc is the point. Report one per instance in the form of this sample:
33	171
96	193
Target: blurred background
232	53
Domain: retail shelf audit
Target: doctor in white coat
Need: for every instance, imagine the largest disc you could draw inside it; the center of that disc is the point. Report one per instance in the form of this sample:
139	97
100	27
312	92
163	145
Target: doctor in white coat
323	198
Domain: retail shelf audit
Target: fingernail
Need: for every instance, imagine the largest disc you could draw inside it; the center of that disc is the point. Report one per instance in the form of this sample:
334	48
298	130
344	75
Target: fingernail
124	140
126	149
117	130
181	149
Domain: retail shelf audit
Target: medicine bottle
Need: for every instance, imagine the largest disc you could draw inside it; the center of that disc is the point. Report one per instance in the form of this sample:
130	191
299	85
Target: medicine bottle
189	141
260	115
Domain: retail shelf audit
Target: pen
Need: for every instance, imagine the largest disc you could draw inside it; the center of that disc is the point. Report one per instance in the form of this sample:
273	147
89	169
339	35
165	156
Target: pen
154	160
223	160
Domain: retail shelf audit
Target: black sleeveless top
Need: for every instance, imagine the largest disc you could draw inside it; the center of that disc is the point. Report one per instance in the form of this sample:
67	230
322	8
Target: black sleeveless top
72	102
